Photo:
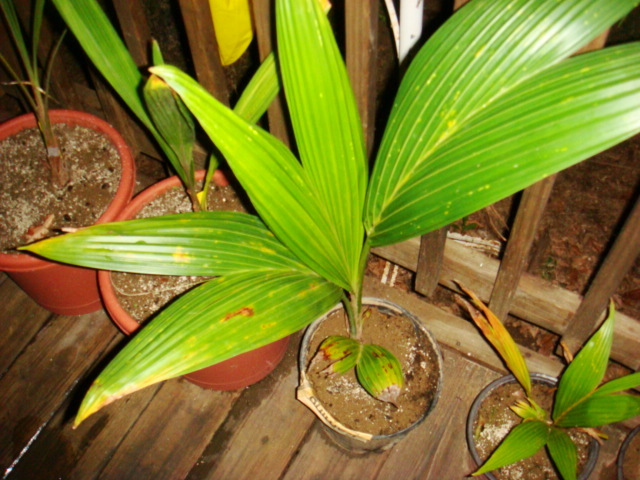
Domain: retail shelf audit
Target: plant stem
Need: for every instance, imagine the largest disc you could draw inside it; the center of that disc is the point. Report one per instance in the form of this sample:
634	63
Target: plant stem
356	296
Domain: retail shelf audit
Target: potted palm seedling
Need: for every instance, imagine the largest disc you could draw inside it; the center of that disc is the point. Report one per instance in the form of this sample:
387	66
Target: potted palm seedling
556	414
171	124
488	106
61	168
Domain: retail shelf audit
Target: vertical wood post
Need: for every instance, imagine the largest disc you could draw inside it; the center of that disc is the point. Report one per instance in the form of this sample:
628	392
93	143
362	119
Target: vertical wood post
534	200
618	262
361	22
198	23
263	20
430	258
135	29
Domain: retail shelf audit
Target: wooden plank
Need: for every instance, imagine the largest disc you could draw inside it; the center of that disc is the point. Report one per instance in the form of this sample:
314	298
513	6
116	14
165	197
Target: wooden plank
135	29
263	20
59	451
513	264
170	435
536	301
22	319
42	377
427	452
198	24
618	262
263	430
430	258
361	23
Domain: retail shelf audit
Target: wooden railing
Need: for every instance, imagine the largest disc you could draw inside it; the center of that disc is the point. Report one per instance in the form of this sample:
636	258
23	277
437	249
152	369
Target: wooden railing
436	260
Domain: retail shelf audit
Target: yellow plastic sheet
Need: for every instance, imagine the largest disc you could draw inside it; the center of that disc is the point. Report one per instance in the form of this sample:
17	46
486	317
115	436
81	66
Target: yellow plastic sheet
232	24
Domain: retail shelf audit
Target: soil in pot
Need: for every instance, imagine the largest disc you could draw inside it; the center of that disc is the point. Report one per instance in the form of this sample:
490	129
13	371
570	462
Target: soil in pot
494	421
349	403
31	207
631	458
143	295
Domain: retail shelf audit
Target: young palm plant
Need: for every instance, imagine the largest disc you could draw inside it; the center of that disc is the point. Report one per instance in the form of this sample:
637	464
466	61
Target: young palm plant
580	401
488	106
35	87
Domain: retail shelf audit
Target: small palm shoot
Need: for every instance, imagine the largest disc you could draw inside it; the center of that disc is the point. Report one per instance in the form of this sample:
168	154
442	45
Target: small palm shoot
578	402
34	88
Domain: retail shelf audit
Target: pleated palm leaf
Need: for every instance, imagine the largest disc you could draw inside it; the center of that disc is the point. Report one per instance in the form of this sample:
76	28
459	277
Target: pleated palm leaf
488	106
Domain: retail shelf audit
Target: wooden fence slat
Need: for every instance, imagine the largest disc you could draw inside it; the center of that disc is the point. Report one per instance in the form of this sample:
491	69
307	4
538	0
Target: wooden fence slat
430	261
198	23
361	21
263	21
135	29
618	262
532	206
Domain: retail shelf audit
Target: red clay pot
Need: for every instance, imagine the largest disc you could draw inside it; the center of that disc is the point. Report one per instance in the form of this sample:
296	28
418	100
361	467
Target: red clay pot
59	288
232	374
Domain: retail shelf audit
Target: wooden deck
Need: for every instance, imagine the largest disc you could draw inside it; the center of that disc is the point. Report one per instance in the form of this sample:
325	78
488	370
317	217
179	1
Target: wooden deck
177	430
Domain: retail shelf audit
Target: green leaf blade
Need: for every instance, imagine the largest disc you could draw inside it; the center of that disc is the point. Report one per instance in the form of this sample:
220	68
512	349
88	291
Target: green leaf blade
563	453
585	372
379	372
596	411
216	321
524	440
270	174
342	351
553	120
482	53
325	121
205	243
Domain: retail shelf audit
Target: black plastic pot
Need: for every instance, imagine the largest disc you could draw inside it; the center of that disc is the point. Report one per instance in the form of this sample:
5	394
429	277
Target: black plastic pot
594	447
623	451
354	441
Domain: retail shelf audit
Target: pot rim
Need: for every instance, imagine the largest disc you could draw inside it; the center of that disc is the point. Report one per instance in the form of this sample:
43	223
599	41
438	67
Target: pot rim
623	451
325	417
125	322
24	261
594	446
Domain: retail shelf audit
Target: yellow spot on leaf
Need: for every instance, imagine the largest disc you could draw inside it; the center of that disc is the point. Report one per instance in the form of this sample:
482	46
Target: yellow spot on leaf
180	257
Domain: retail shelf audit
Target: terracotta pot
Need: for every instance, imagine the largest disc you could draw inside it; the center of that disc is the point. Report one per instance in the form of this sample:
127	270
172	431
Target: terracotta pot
341	435
64	289
623	451
594	447
232	374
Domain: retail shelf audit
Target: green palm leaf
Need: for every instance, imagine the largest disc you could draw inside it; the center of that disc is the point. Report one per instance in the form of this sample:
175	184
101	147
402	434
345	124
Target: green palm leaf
601	410
216	321
478	59
585	372
524	440
205	243
325	122
271	175
619	384
563	452
547	123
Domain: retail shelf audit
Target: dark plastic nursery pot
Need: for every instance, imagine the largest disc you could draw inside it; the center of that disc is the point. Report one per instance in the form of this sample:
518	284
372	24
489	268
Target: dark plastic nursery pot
594	447
341	435
232	374
65	289
621	456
